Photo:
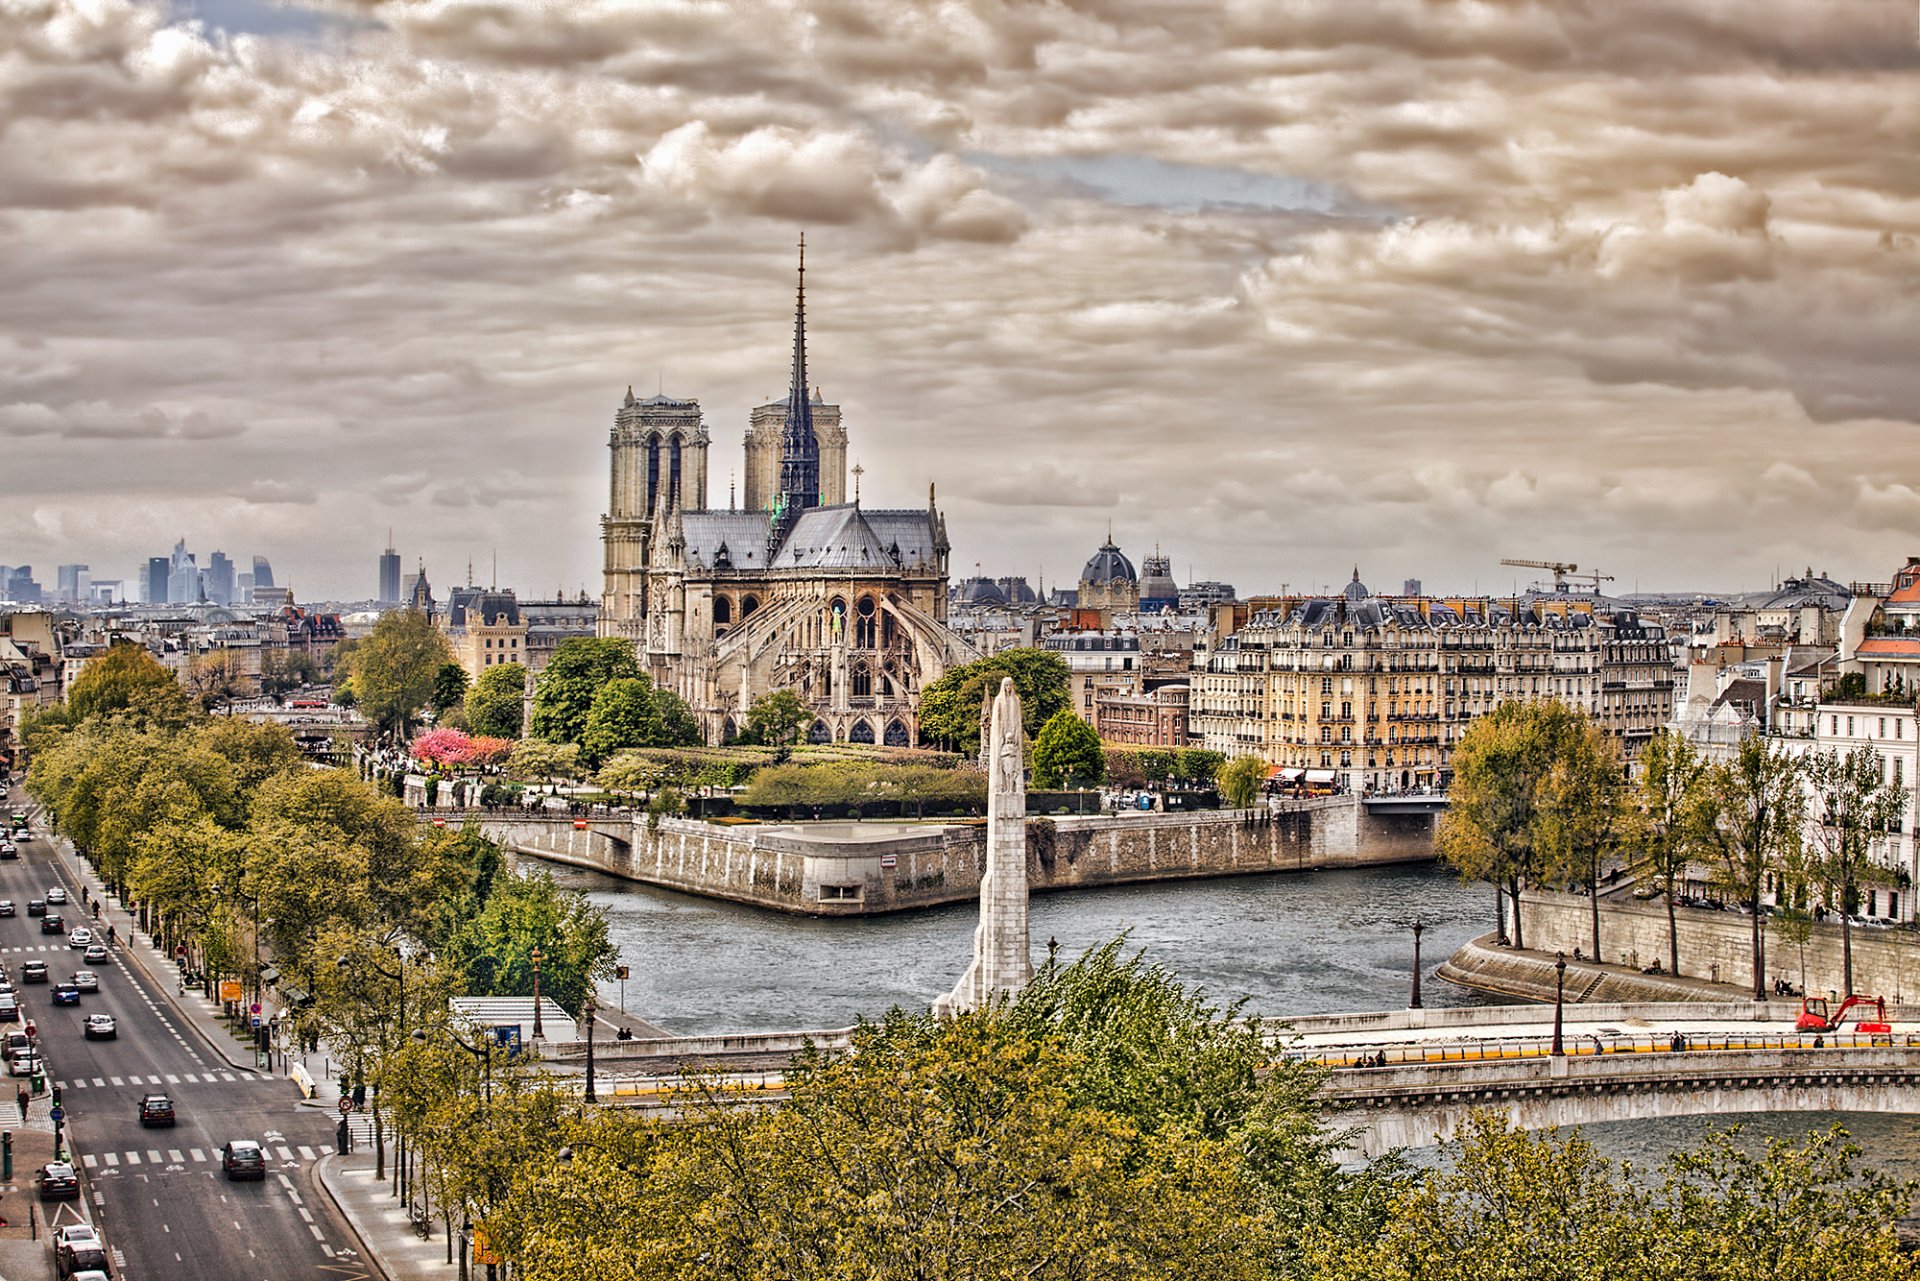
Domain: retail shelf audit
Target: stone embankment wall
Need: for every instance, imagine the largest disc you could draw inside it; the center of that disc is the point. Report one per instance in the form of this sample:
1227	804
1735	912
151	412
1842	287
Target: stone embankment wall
1529	976
1886	962
798	869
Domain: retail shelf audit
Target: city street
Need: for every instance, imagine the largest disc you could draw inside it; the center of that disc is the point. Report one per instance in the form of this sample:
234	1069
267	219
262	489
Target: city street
157	1194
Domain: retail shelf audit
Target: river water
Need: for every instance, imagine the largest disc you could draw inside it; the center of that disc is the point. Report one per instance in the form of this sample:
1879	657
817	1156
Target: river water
1302	943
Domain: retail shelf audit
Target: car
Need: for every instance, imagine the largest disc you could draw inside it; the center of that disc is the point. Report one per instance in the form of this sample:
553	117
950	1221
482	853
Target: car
96	954
101	1027
15	1041
56	1181
9	1009
7	908
243	1159
65	993
53	923
56	895
156	1109
9	851
86	980
90	1274
79	937
23	1062
72	1234
33	972
36	907
81	1260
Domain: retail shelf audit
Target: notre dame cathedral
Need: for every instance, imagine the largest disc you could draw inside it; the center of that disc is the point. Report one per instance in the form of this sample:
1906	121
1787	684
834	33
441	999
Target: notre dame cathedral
797	589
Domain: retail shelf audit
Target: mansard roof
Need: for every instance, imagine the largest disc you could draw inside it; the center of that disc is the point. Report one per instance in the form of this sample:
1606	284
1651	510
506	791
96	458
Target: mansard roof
742	534
845	537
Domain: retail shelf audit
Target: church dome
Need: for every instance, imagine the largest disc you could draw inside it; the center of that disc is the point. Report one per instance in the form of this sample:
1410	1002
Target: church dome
1108	564
981	593
1356	590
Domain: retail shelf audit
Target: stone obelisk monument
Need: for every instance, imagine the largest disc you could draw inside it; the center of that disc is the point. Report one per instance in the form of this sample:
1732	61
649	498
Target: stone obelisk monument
1002	953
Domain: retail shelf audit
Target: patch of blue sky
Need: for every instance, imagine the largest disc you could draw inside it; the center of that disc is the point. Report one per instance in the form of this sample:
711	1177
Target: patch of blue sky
1143	180
254	17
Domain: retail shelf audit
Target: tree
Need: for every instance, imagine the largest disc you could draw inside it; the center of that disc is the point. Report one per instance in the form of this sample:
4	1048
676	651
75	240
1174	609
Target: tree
1757	806
776	719
449	687
564	693
496	704
396	668
493	950
950	707
216	678
1240	780
533	759
623	715
1067	753
1855	806
285	670
1507	811
1581	810
1666	831
117	679
678	726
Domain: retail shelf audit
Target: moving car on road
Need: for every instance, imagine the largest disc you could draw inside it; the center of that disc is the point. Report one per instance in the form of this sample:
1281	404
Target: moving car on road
243	1159
156	1109
53	923
33	972
65	993
57	1182
86	980
56	895
101	1027
36	907
79	937
7	908
8	850
95	954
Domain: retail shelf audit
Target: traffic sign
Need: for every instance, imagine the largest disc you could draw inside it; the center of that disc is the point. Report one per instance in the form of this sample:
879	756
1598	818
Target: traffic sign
254	1008
346	1105
256	1018
181	950
57	1114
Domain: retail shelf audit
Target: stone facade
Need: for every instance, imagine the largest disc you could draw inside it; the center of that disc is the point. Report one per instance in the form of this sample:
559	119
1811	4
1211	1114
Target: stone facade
1002	951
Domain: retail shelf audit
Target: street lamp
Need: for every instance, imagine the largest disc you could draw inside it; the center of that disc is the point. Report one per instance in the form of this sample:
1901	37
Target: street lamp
539	1029
587	1009
1559	999
1417	927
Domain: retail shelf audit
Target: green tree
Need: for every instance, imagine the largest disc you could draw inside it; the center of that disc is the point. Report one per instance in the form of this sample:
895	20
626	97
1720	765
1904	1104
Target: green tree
496	704
776	719
564	693
535	760
284	670
396	667
679	727
118	679
623	715
1756	807
950	707
1666	832
449	687
1855	807
216	678
1517	775
1582	811
493	950
1067	753
1240	780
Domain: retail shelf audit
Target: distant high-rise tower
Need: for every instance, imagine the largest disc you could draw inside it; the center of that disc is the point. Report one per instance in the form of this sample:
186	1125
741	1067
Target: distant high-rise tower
390	574
155	581
71	584
183	576
262	572
219	579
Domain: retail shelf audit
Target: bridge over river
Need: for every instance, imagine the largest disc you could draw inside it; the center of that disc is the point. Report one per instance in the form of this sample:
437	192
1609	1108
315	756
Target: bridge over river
1406	1078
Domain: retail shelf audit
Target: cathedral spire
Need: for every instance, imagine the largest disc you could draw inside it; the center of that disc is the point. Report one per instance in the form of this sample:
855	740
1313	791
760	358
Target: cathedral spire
799	447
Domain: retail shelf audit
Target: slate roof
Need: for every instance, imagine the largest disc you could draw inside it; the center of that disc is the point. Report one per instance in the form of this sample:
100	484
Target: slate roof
841	537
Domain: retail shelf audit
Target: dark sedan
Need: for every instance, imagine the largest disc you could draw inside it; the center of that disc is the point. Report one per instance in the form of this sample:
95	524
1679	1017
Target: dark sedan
57	1182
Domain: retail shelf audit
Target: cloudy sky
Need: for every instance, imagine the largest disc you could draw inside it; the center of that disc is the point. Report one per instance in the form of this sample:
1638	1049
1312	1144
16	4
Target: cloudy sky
1280	285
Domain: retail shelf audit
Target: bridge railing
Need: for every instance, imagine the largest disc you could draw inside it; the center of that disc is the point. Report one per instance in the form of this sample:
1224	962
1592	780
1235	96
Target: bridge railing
1590	1045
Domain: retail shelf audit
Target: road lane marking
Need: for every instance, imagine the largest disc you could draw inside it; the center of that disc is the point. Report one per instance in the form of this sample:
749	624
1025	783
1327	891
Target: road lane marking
197	1154
308	1154
116	1080
133	1158
88	1161
113	1158
173	1154
172	1079
286	1153
97	1081
306	1214
317	1234
153	1155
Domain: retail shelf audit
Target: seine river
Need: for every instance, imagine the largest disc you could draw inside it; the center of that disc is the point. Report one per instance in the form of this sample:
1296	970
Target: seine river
1307	943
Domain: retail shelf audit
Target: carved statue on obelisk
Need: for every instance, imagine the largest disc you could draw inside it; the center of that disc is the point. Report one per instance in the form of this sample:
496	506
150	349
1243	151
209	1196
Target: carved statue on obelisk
1002	952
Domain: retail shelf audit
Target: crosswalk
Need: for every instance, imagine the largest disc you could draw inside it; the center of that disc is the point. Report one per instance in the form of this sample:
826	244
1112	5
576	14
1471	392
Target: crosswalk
61	946
166	1157
171	1078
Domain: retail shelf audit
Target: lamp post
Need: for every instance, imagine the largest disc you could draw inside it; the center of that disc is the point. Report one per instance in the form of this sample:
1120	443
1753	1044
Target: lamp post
539	1029
587	1009
1417	927
1559	999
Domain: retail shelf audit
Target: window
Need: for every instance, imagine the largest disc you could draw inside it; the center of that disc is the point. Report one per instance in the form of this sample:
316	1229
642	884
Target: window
1882	733
1849	727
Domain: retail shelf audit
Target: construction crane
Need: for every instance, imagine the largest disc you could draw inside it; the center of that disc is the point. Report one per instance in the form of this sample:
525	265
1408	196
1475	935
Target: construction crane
1562	571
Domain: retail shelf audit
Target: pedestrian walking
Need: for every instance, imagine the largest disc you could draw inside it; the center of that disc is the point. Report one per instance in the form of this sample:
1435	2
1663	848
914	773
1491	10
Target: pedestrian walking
24	1100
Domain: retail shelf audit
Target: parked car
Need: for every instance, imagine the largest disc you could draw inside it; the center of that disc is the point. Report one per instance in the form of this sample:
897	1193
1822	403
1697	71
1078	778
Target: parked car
65	993
56	1181
9	1009
86	980
95	954
101	1027
243	1159
23	1062
156	1109
56	895
80	1261
33	972
15	1041
75	1234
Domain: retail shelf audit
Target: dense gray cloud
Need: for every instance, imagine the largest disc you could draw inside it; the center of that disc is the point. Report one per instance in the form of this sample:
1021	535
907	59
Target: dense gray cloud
1278	286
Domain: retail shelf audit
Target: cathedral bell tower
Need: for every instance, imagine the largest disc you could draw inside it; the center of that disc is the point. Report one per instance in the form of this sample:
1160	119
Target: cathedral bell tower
658	451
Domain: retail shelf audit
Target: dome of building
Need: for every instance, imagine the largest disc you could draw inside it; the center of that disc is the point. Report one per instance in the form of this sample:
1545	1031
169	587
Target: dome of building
1356	590
981	593
1108	564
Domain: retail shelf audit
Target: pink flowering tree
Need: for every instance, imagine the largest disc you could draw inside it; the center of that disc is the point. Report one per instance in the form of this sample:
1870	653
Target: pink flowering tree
442	748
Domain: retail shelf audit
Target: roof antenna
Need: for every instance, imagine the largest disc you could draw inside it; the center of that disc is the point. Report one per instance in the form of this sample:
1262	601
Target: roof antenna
858	472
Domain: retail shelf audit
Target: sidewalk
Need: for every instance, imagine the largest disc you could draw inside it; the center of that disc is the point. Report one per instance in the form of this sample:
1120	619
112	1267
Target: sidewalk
23	1256
381	1222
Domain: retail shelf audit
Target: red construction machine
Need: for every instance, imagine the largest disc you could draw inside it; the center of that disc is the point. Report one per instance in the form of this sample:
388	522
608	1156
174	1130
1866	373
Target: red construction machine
1814	1016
